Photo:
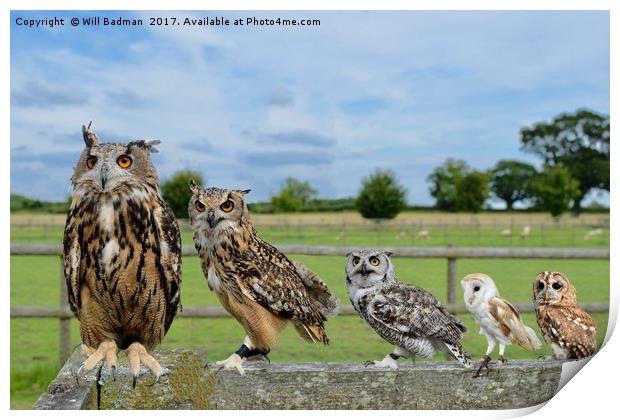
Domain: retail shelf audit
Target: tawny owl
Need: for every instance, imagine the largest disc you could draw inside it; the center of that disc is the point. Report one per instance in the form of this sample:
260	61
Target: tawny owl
408	317
122	254
255	282
569	329
499	321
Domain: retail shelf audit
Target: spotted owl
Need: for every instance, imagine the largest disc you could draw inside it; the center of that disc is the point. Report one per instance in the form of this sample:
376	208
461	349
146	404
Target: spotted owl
255	282
122	254
500	322
568	329
408	317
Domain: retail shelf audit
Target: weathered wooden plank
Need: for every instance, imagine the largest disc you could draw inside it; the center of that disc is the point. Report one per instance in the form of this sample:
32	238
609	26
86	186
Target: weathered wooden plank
445	385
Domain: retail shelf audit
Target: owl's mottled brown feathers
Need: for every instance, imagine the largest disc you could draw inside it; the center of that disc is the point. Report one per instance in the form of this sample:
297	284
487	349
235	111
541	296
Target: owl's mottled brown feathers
122	252
248	274
569	329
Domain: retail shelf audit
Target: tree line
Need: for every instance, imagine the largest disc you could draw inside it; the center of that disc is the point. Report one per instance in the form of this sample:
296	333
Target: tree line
574	152
573	149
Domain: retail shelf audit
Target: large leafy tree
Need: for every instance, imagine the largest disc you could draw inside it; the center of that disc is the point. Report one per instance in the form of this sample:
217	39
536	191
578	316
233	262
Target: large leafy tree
444	180
381	196
579	142
471	191
554	189
510	181
292	196
176	193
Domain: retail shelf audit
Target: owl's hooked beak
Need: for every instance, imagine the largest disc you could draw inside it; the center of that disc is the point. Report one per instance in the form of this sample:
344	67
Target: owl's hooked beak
104	176
364	270
211	219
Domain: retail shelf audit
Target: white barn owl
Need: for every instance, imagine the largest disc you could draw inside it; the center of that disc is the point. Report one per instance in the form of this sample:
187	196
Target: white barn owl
499	320
408	317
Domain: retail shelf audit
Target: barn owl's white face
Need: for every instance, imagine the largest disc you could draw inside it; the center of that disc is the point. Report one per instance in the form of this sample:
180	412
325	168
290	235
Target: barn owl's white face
478	288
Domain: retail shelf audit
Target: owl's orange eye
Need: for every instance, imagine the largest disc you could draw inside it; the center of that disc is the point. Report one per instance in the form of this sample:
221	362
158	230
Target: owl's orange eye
91	161
227	206
199	206
124	161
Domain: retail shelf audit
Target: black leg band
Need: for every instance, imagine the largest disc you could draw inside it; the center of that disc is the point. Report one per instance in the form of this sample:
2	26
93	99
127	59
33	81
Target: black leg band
394	356
245	352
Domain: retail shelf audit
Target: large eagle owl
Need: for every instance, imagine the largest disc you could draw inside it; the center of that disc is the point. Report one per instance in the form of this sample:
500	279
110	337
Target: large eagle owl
122	254
254	281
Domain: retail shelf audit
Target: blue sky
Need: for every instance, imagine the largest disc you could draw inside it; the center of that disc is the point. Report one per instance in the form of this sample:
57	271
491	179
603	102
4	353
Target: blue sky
249	107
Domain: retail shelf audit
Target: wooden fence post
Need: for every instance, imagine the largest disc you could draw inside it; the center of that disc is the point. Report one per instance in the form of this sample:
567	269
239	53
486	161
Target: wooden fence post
451	278
65	323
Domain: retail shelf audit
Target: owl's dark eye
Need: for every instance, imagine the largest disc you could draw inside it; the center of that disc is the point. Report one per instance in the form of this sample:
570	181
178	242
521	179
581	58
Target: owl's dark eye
540	285
199	206
91	161
124	161
374	261
476	288
356	260
227	206
556	286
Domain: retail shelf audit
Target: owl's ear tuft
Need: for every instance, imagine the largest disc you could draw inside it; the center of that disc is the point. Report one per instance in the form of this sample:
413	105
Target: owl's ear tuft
146	145
193	185
243	192
389	253
90	138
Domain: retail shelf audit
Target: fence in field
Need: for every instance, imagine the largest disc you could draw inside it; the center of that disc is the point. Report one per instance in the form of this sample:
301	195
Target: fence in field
590	231
451	254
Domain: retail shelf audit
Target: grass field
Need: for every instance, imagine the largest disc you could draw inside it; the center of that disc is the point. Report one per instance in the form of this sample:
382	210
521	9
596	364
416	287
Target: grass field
35	281
351	230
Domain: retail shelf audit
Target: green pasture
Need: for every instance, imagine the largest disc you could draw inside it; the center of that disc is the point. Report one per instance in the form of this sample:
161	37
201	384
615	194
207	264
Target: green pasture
35	281
390	235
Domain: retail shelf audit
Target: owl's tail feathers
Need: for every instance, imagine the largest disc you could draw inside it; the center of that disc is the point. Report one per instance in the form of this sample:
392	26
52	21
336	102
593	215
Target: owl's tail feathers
533	340
312	333
320	295
459	354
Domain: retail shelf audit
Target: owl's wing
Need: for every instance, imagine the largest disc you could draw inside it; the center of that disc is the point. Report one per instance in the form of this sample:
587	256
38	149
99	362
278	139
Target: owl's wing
414	312
511	325
72	259
266	276
168	230
573	328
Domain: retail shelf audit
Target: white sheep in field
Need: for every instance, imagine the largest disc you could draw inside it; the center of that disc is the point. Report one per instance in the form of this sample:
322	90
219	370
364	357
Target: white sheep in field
593	234
402	235
341	236
525	232
423	234
506	232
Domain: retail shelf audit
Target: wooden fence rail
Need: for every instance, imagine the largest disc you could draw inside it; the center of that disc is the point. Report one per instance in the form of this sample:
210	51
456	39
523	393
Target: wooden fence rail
451	254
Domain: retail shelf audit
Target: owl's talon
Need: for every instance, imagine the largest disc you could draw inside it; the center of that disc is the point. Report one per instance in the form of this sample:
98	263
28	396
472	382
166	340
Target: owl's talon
135	378
501	361
484	364
369	363
234	361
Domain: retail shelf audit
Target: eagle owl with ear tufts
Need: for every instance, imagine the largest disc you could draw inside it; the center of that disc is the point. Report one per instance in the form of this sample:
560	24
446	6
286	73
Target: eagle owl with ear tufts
254	281
122	254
